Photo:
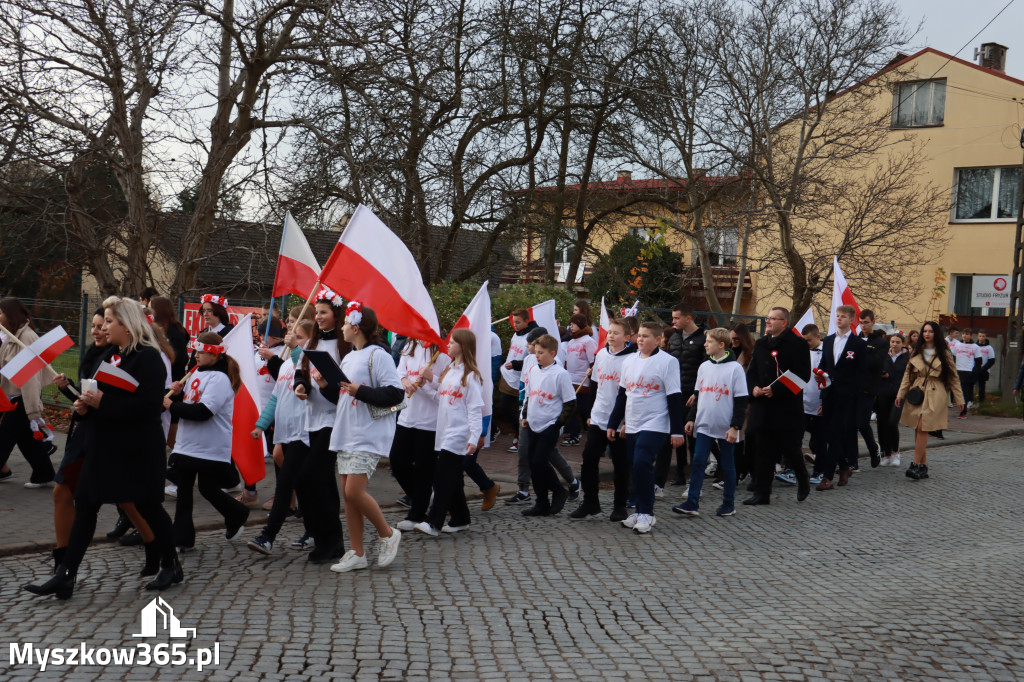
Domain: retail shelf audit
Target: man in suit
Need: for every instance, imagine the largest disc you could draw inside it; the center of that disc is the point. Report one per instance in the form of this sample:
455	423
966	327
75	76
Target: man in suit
843	358
776	413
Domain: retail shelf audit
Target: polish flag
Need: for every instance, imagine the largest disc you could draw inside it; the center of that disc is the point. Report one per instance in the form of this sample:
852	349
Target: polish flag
841	295
41	352
602	334
297	269
370	264
477	319
5	403
544	315
115	376
808	318
246	451
791	381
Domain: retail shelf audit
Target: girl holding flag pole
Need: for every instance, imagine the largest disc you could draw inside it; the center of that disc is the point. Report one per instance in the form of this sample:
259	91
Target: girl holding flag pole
124	446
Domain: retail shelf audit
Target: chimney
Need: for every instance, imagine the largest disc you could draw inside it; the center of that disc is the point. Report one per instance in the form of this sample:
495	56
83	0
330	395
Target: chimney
624	176
992	56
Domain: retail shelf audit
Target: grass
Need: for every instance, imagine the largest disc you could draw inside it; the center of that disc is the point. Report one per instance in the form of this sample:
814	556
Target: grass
66	362
994	407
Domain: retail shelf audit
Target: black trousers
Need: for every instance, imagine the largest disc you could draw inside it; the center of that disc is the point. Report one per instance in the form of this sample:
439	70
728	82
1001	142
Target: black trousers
967	387
84	528
774	444
865	405
413	459
295	465
212	477
597	443
840	413
317	488
449	493
542	474
508	412
15	430
663	462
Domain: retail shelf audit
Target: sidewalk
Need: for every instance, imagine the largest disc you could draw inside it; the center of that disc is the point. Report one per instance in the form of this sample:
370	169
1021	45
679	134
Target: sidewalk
27	515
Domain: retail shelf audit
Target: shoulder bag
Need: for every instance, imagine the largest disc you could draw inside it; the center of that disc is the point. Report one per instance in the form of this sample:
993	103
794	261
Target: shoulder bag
376	411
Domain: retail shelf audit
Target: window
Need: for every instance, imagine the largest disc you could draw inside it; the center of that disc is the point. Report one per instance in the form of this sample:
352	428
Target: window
644	233
917	104
987	194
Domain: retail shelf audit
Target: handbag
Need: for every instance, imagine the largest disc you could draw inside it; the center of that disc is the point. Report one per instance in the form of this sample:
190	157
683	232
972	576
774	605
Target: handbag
378	412
915	396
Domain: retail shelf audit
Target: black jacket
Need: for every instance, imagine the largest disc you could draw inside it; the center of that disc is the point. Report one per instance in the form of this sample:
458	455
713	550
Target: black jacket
877	351
895	369
689	351
785	409
849	374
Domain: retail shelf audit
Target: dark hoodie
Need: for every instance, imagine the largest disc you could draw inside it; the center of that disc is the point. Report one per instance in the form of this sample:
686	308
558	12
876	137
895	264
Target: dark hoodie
739	403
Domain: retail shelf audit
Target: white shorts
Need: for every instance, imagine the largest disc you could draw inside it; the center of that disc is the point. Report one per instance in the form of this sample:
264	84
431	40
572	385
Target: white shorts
351	462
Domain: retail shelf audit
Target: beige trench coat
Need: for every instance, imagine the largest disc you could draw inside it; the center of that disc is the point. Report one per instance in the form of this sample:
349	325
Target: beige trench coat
933	412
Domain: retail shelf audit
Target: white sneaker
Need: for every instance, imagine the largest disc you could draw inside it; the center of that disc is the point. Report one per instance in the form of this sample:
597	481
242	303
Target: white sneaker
895	459
630	521
659	491
712	468
171	491
388	548
886	461
720	485
644	523
406	524
30	485
970	404
454	529
874	417
425	527
350	562
686	493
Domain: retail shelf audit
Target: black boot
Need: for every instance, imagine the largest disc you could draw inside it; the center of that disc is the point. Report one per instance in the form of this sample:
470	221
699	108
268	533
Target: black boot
122	526
913	471
152	566
922	472
169	574
132	539
58	557
62	584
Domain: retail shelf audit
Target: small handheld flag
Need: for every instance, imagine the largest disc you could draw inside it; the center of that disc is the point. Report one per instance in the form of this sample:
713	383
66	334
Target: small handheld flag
791	381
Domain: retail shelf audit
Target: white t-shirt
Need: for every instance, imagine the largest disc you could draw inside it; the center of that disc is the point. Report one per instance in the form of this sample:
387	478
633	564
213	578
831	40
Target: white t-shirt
812	394
354	429
607	368
319	410
264	379
422	410
495	344
965	353
209	439
648	383
290	411
580	355
460	412
718	383
549	388
524	379
987	353
516	351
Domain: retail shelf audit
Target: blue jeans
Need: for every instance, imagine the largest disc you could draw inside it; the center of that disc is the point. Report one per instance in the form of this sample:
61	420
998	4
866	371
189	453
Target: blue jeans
642	449
476	472
726	463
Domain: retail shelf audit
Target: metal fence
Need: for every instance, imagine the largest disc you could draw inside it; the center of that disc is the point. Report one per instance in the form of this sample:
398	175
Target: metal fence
74	317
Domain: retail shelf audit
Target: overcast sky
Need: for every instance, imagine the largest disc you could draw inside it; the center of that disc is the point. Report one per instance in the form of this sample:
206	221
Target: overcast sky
949	24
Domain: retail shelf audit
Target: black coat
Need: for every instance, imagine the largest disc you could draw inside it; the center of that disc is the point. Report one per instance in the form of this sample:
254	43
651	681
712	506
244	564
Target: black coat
124	438
785	409
178	338
689	351
895	369
847	376
877	352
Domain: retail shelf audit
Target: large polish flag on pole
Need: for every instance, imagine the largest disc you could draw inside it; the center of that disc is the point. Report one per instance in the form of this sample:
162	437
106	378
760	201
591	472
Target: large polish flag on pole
841	295
370	264
544	315
36	355
297	268
806	319
477	319
602	331
246	451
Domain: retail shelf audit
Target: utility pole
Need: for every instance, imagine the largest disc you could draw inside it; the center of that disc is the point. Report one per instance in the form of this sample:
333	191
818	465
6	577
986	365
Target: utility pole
1015	323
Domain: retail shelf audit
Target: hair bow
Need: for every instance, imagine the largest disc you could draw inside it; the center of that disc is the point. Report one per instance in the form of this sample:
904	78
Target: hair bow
200	347
354	313
213	298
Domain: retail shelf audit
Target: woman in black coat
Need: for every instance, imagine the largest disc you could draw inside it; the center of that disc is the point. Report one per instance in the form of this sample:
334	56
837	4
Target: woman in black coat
124	445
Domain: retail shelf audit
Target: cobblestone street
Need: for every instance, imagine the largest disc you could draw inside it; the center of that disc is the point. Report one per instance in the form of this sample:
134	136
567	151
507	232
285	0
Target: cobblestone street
884	579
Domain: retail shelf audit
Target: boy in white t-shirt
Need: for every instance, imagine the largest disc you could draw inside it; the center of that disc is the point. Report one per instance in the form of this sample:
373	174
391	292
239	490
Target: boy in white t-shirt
968	361
651	402
549	403
716	415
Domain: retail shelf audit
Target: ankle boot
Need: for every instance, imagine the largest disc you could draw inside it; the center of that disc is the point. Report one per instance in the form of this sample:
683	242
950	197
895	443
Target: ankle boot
62	584
122	526
58	557
170	574
922	472
913	471
152	566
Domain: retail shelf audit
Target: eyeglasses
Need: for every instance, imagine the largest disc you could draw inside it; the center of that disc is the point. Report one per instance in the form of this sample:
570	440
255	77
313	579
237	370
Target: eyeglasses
776	319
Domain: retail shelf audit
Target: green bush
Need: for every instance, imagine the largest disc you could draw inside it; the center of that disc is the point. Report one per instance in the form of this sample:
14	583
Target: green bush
660	283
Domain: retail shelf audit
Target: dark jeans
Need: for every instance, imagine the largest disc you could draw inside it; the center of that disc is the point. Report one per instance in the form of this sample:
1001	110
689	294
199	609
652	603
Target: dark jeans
642	450
212	477
579	416
774	444
476	472
597	443
84	528
663	462
967	386
888	424
541	472
980	381
295	465
449	494
15	430
865	405
525	471
412	460
840	413
814	424
725	463
318	494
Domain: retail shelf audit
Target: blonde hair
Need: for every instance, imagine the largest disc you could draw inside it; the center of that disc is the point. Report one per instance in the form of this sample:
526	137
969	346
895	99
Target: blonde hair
720	334
467	342
129	314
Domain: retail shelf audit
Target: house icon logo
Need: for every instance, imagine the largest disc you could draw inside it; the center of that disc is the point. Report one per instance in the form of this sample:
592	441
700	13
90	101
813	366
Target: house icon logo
158	616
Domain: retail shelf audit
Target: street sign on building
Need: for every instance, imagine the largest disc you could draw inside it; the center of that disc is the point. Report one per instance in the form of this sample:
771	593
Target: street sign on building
990	291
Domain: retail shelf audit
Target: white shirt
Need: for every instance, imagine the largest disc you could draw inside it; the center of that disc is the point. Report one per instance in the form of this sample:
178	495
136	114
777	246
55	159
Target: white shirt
516	351
718	383
607	368
354	429
580	355
209	439
965	353
290	411
422	410
839	344
549	389
529	362
460	412
987	353
648	383
264	379
319	410
812	394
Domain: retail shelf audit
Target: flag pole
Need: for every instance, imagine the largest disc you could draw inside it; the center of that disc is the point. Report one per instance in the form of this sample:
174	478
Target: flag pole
270	313
499	320
302	312
54	372
580	387
184	380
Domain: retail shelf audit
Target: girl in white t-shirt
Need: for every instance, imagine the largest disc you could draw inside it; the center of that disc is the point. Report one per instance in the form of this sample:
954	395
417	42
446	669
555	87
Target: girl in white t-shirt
202	449
458	433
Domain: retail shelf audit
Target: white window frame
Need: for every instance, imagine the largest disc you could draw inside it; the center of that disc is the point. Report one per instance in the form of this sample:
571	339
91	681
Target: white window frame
897	104
996	182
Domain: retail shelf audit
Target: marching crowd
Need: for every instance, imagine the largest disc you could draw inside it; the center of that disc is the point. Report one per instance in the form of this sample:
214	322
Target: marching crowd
337	400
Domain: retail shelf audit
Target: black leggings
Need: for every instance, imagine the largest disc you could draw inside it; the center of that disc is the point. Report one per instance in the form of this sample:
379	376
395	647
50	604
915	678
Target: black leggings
317	488
212	477
15	430
84	528
295	465
413	459
449	493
